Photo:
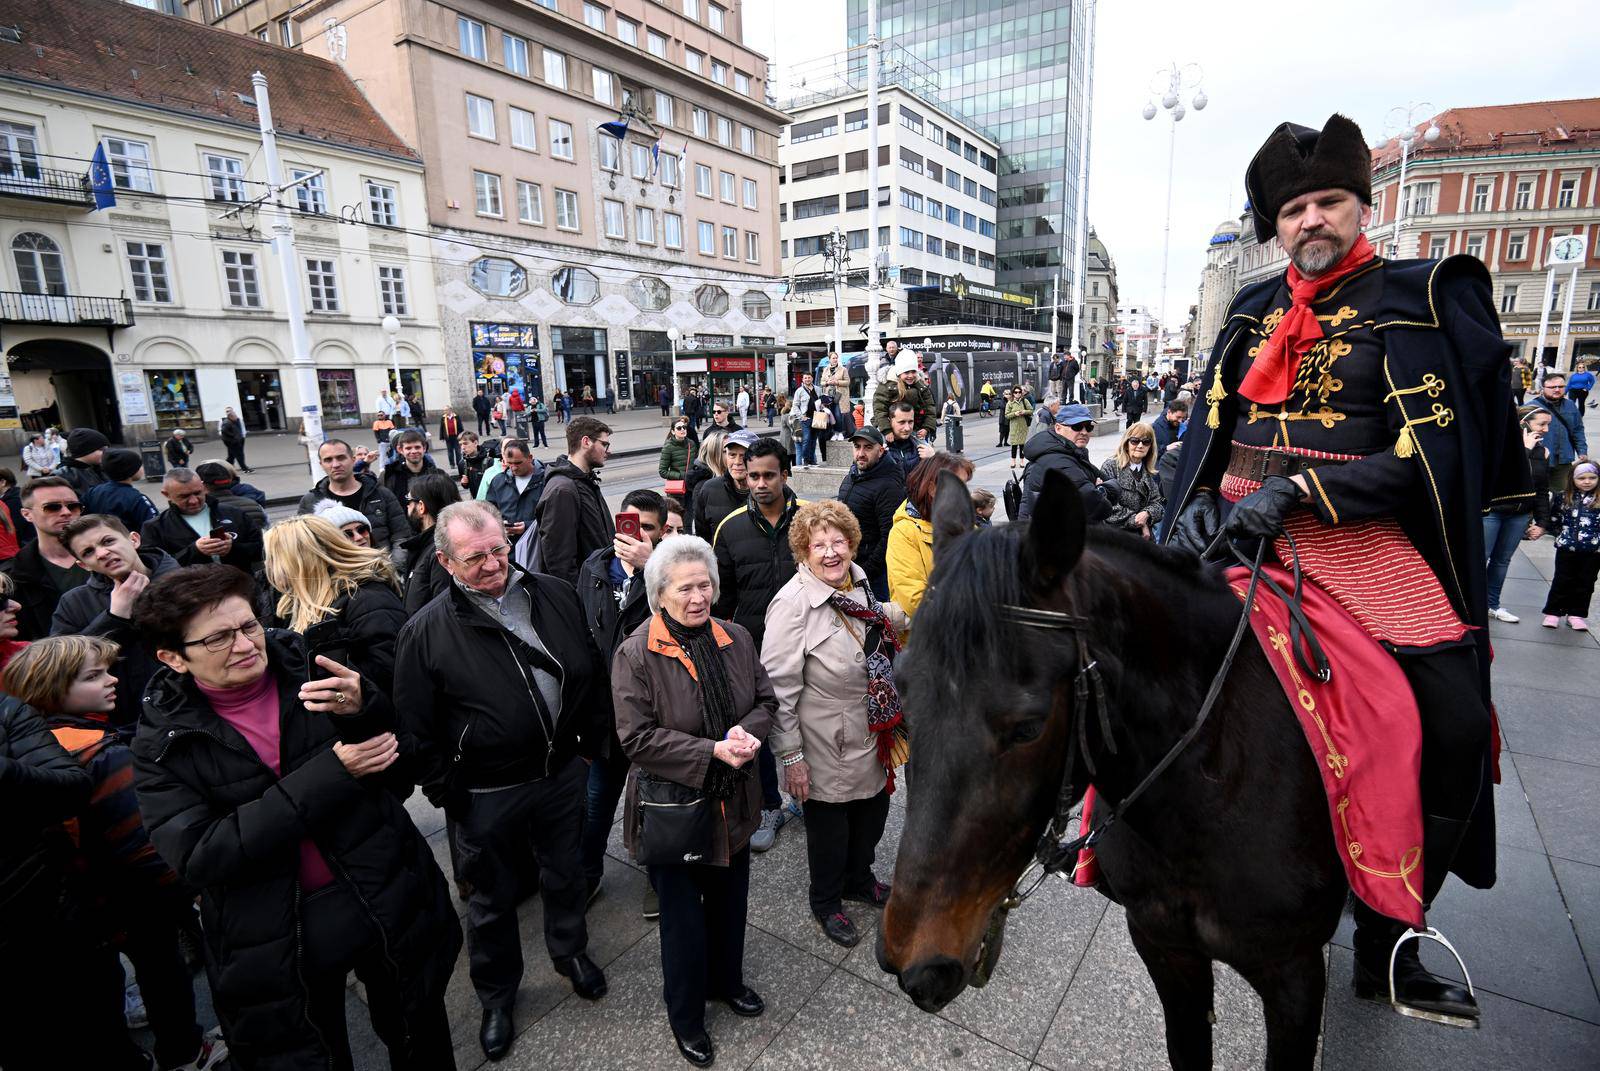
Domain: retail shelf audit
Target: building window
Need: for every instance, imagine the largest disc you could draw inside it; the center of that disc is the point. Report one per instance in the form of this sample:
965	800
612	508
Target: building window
1516	246
130	164
671	175
715	17
486	193
969	187
986	228
952	143
691	8
935	208
656	44
524	131
392	296
711	300
730	243
969	152
530	203
672	230
383	203
910	239
566	210
641	161
935	246
1475	246
322	285
627	31
911	199
1437	247
147	263
480	117
756	305
969	255
752	247
812	129
1418	199
719	73
1555	298
594	16
555	69
663	108
616	225
225	174
310	191
515	51
708	239
1508	298
952	180
610	152
650	293
747	140
741	82
473	38
1524	194
856	120
910	119
1594	297
40	267
603	87
498	277
986	260
702	180
702	122
243	281
695	61
1567	192
750	193
986	195
724	131
286	35
726	180
969	221
1480	196
560	139
644	225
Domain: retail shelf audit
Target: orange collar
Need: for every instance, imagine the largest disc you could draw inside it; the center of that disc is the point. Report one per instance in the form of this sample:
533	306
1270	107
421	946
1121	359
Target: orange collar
661	642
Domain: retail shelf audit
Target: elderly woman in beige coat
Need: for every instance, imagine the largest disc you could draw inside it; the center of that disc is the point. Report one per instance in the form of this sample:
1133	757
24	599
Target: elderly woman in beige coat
829	650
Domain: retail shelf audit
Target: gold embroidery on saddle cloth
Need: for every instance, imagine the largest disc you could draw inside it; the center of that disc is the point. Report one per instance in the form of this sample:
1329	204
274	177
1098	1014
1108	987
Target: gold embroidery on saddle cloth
1336	761
1410	859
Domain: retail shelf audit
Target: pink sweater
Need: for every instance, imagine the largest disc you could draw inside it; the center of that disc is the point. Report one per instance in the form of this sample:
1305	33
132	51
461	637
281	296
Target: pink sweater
253	710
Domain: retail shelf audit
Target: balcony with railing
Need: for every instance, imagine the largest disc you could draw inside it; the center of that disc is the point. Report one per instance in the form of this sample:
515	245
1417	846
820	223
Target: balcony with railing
29	182
65	310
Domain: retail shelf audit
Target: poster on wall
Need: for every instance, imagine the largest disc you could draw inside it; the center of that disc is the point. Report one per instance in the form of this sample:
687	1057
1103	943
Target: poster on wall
500	372
131	398
10	418
624	375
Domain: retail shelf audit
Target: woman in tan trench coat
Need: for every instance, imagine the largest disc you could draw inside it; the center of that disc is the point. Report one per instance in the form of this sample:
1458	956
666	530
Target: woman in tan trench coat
829	650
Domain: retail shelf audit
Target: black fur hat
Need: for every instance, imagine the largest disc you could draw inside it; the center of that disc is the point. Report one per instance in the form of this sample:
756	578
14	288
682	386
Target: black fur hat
1296	159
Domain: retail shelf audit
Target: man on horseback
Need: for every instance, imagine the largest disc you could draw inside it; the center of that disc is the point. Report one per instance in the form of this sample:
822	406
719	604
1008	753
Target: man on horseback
1362	406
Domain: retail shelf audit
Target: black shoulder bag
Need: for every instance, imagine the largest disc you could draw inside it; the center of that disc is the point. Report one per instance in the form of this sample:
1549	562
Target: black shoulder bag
675	823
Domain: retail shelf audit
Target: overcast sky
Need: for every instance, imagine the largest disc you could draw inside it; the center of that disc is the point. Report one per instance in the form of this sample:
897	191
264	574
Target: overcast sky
1364	58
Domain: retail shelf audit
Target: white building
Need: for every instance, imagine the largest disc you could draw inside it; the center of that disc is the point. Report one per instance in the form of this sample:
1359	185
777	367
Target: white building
166	307
1219	281
1139	338
936	223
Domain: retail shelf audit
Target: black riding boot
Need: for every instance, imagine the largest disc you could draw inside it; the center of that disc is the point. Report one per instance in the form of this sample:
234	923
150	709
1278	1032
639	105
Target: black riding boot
1416	992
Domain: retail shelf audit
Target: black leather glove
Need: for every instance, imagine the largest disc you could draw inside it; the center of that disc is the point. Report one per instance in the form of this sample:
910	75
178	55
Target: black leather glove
1260	514
1197	525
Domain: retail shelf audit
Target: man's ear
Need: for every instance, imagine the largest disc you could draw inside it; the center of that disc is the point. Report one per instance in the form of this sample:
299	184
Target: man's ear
133	537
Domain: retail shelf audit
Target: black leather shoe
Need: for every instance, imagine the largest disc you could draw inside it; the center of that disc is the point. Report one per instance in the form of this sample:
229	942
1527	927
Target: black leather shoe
840	930
876	896
587	980
747	1004
1417	993
496	1033
697	1049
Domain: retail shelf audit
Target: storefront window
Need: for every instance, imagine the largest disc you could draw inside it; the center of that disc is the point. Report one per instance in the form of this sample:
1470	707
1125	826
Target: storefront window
341	406
506	355
175	398
652	364
580	354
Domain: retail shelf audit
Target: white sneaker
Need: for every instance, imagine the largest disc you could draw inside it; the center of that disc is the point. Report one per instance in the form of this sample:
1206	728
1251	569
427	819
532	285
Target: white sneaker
213	1052
767	832
1500	613
133	1008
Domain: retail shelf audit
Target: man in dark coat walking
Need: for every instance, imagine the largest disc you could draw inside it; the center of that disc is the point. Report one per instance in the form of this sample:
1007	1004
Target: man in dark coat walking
481	408
1388	430
232	432
572	521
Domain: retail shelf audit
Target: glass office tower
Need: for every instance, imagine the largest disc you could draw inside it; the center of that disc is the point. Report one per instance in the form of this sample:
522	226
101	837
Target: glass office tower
1015	68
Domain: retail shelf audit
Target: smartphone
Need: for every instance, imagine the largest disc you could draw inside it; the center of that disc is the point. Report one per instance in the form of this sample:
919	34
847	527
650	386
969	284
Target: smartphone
219	533
628	525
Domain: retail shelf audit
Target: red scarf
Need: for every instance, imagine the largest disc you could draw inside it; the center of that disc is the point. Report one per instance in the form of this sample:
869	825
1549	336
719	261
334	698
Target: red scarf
1272	376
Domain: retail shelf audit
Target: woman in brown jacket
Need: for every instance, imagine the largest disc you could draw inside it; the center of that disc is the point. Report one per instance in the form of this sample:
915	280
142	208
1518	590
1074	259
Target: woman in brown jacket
692	707
829	648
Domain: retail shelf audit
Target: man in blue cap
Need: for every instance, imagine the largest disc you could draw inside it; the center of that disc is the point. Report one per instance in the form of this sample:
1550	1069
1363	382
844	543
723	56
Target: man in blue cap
1064	446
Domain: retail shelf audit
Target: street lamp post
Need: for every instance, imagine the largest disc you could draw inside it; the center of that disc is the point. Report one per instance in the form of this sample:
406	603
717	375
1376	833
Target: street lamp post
673	335
1170	82
1404	118
391	327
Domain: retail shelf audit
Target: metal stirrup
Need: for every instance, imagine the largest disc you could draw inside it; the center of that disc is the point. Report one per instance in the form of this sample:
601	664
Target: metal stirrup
1430	934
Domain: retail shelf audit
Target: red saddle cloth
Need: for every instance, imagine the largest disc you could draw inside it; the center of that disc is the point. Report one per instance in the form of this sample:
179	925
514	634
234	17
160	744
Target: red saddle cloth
1364	732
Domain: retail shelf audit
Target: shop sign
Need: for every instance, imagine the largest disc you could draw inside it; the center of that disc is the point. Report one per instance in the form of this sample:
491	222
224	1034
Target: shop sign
131	398
495	336
10	418
736	364
624	375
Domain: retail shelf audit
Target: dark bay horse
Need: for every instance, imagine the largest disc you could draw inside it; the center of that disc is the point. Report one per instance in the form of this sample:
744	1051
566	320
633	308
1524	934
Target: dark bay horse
1228	856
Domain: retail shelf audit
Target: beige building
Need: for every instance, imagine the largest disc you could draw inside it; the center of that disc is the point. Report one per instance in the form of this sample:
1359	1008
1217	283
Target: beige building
1219	281
1099	307
566	257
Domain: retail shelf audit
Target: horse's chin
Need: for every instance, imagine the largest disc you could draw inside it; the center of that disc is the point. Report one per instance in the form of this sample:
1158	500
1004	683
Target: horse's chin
989	948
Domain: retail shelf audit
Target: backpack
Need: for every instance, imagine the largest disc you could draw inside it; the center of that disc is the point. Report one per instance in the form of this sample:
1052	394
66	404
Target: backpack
1013	498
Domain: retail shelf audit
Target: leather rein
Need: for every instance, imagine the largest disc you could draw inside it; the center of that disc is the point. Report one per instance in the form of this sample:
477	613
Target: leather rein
1057	852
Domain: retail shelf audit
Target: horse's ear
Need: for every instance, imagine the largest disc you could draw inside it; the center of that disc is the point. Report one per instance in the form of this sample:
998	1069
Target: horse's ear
953	515
1056	530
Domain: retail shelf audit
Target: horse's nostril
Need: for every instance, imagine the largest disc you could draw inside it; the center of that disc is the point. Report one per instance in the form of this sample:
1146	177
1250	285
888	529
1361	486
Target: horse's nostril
935	983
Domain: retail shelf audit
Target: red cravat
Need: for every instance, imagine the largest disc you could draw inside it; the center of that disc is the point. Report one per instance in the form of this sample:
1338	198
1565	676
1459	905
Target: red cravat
1272	376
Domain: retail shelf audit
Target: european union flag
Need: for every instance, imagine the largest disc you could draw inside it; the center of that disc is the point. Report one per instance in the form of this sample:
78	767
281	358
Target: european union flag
105	193
1110	347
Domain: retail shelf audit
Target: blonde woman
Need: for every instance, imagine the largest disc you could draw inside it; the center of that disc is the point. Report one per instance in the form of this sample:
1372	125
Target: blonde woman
1131	484
343	598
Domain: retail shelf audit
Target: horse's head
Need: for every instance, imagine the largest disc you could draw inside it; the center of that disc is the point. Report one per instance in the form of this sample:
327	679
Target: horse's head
988	701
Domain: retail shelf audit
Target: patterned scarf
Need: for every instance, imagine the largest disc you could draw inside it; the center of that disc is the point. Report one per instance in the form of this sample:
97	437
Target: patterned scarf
1271	377
717	715
884	716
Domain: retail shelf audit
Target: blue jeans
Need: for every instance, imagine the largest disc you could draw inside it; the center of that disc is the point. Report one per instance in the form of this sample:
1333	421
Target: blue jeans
808	446
607	778
1501	534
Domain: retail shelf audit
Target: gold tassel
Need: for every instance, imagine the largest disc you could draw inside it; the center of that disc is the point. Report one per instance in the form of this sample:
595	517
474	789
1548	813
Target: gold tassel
1403	445
1215	395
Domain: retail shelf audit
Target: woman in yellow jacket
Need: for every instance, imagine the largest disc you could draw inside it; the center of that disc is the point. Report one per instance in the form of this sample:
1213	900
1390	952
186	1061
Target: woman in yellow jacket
909	554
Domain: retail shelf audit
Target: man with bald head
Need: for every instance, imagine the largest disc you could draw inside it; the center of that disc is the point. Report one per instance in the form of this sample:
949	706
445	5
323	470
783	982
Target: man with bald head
197	530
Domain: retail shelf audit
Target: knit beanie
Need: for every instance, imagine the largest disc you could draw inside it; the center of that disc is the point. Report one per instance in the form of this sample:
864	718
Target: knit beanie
120	464
84	441
338	514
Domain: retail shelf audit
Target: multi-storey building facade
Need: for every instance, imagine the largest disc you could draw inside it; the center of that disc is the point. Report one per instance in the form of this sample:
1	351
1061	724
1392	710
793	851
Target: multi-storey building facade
265	20
1219	280
1099	306
163	308
1015	68
568	257
1501	183
936	217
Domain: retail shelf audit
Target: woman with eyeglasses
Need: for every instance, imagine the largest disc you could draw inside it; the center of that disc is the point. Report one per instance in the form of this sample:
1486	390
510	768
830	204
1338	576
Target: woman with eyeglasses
269	781
344	599
1131	484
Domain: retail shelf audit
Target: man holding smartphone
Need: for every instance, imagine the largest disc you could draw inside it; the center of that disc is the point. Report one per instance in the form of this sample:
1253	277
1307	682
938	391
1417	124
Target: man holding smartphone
196	530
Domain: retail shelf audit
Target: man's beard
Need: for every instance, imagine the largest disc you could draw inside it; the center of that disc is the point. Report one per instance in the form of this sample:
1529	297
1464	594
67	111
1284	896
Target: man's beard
1314	259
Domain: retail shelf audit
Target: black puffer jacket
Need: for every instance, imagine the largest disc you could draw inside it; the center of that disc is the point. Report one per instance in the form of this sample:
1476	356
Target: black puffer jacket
753	562
1047	451
397	478
40	787
385	514
80	476
610	623
713	501
365	624
693	480
428	577
873	496
573	520
232	829
168	531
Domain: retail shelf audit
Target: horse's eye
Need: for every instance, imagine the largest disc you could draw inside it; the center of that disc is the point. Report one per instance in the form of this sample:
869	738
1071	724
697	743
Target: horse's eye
1024	733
